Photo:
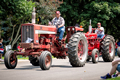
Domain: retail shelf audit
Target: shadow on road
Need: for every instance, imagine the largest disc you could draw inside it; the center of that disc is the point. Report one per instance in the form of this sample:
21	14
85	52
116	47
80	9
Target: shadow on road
62	66
27	67
1	62
30	67
90	62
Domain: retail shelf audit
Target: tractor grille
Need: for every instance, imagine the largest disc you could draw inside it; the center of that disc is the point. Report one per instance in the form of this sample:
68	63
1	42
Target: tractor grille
27	32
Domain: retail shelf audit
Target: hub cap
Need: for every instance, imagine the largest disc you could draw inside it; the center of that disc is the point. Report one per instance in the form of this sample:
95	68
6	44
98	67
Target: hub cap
111	49
47	61
81	50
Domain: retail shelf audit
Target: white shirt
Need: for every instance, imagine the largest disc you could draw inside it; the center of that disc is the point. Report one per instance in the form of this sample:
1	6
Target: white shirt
101	31
58	21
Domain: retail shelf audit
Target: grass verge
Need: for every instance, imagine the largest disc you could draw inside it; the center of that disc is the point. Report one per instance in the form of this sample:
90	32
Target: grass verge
117	78
23	58
20	57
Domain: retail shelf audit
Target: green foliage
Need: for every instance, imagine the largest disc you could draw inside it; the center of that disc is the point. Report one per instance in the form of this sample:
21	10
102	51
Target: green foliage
81	11
12	14
46	10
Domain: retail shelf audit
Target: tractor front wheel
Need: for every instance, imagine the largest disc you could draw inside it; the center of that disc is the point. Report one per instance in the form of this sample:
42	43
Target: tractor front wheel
45	60
95	56
10	59
77	50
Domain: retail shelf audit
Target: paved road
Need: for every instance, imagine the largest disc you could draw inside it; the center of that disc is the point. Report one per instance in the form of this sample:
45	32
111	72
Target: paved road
60	70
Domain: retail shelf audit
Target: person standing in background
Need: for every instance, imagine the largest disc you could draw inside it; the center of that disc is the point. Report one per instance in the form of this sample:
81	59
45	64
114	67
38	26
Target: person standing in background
1	49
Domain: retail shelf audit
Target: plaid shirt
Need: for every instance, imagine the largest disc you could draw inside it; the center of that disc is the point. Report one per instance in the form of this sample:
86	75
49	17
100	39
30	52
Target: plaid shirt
58	21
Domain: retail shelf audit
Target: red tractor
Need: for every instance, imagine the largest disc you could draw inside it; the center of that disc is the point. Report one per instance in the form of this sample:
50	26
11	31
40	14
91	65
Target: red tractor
44	43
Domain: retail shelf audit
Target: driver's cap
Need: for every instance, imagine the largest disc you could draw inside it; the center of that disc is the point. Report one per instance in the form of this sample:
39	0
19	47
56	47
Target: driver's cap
57	12
99	23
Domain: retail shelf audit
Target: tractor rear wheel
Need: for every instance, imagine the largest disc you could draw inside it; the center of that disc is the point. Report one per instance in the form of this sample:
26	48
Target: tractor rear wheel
34	61
108	48
118	51
77	50
95	55
10	59
45	60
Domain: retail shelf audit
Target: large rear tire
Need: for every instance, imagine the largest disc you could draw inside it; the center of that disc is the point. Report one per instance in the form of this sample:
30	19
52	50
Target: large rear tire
77	50
118	51
45	60
108	48
34	61
10	59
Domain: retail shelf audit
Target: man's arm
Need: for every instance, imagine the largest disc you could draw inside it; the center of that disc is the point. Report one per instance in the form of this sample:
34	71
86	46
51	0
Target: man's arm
53	20
101	29
115	61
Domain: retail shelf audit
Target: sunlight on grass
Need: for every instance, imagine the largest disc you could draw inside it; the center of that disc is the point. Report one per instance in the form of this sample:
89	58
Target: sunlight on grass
117	78
24	58
21	57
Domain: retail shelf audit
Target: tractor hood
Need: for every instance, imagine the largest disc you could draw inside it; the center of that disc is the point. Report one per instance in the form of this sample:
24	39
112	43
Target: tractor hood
41	29
32	31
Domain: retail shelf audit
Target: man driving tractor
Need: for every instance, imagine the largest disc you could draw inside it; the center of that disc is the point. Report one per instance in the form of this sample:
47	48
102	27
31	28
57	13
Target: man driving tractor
59	22
99	31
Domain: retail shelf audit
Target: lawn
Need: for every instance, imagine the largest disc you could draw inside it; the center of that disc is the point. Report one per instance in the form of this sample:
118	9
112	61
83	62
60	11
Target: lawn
20	57
24	58
117	78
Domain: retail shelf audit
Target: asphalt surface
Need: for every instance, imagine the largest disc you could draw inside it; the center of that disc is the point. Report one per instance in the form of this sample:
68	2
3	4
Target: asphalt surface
60	70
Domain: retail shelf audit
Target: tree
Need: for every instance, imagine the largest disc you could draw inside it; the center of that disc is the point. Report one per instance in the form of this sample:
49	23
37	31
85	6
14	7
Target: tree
12	14
103	11
71	10
46	9
81	11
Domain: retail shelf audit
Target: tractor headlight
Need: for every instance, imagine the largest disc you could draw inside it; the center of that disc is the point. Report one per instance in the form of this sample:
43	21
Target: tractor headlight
68	29
73	29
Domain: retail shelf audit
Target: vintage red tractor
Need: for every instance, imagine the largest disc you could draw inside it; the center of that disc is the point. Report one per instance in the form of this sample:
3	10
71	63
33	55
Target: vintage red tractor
81	46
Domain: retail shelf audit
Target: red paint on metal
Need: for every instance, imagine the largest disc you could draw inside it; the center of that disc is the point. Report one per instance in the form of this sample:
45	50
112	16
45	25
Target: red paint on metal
50	43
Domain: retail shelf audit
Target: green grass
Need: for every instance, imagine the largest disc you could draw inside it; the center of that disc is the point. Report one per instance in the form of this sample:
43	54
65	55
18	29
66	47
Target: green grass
23	58
20	57
2	57
117	78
